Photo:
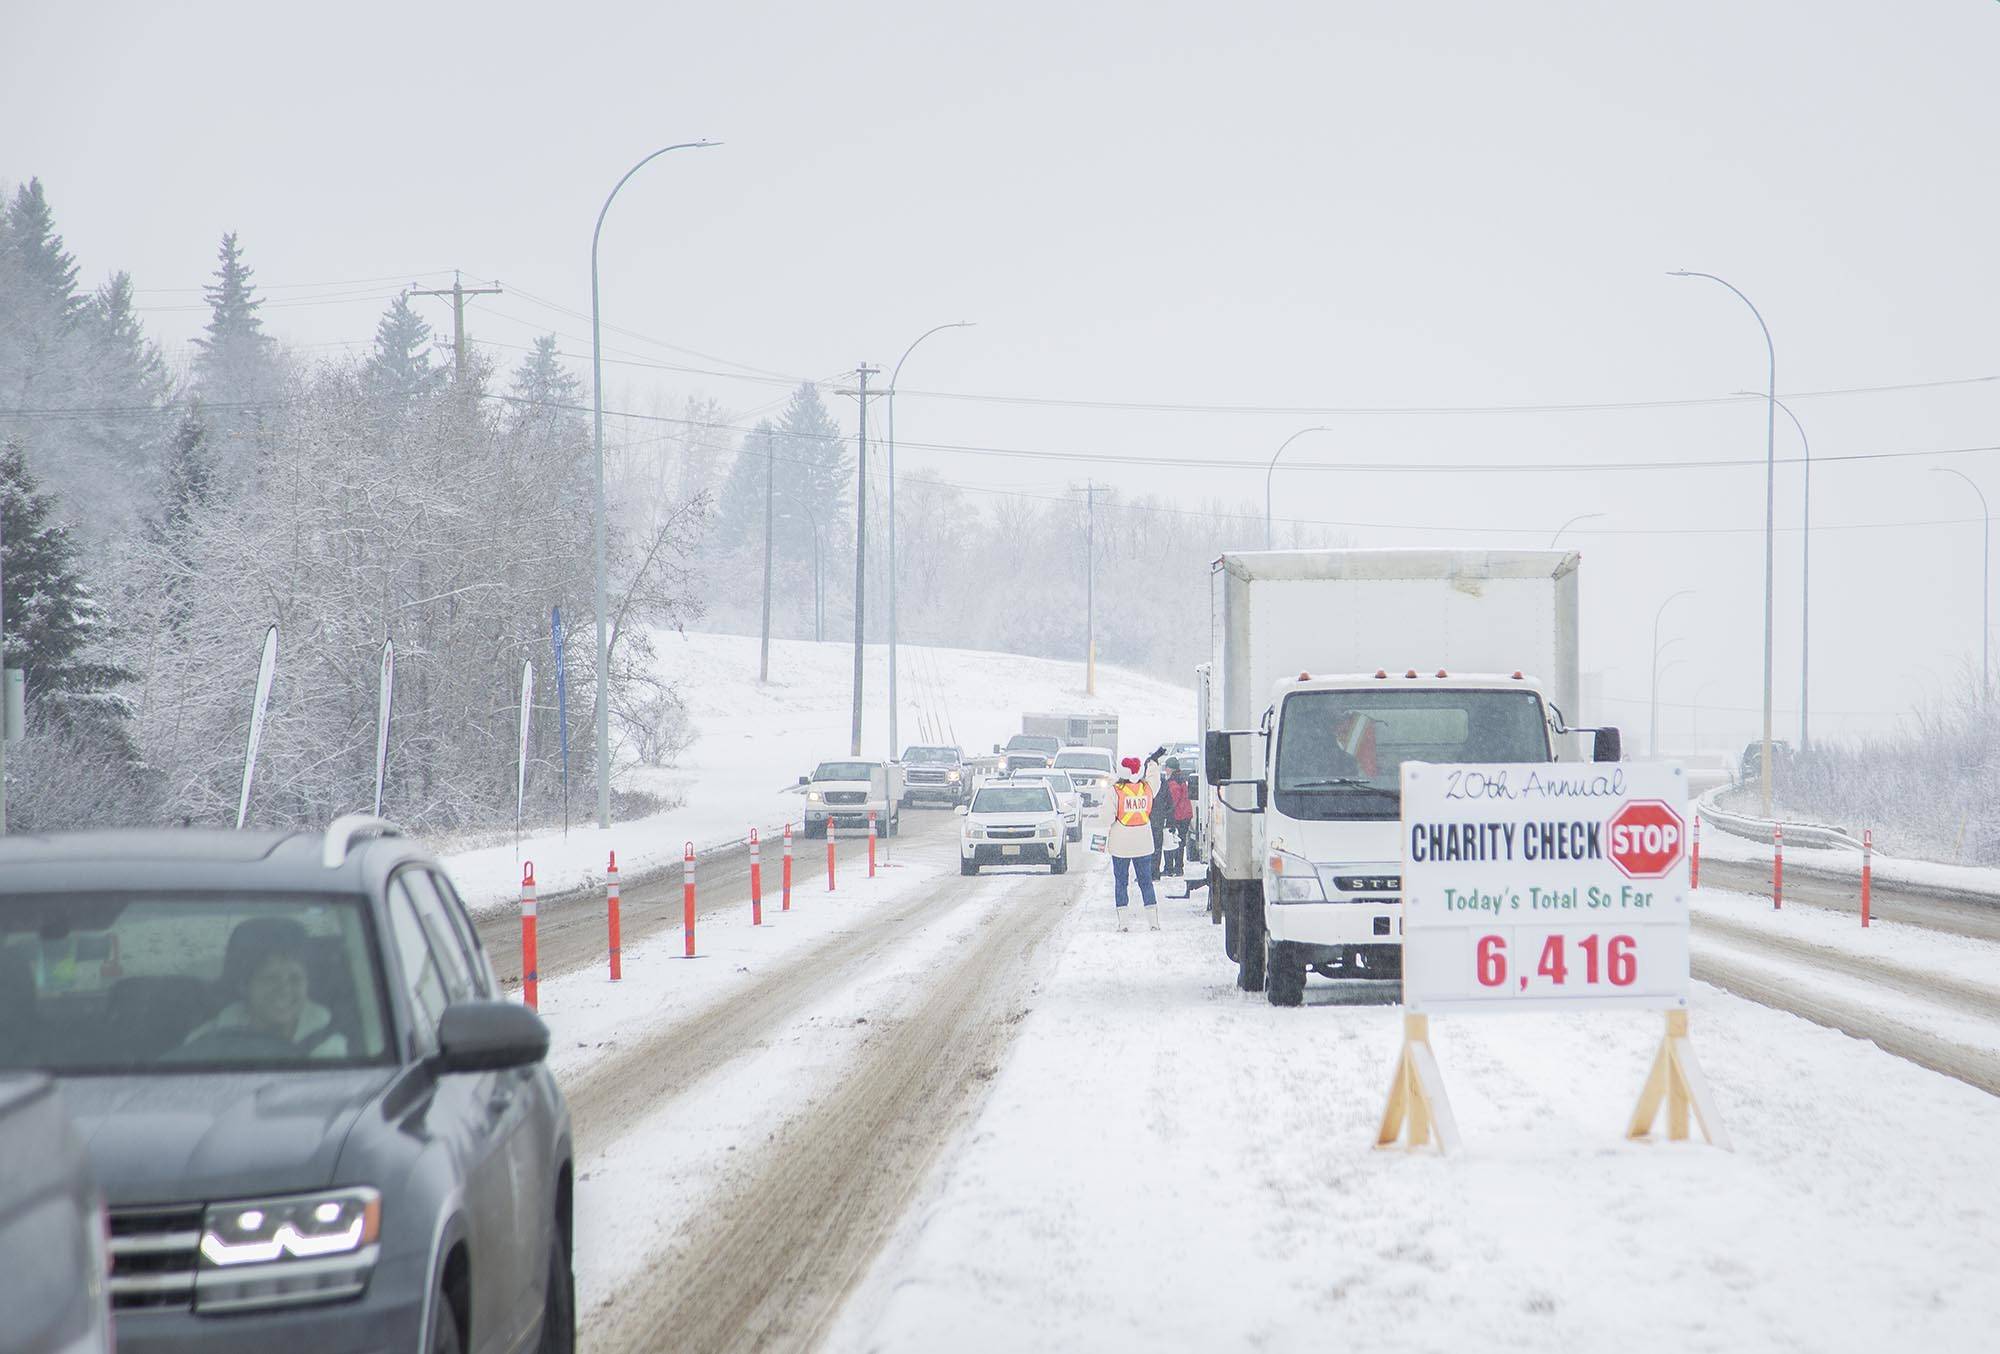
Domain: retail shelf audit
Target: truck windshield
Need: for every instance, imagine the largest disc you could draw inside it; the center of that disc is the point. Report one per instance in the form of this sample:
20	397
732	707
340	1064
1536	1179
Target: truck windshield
1033	742
1013	799
158	982
1340	753
844	771
931	756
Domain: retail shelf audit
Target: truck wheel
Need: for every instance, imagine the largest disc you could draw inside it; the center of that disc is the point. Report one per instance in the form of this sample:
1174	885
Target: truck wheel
1250	945
1284	976
1230	940
1215	917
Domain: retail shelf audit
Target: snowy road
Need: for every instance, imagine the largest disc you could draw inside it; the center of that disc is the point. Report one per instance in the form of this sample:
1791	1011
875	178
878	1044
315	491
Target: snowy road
1890	900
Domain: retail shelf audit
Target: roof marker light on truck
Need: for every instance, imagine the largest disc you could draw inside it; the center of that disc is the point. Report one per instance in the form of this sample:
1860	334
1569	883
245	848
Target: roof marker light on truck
1517	676
1379	673
1305	676
1443	673
1411	673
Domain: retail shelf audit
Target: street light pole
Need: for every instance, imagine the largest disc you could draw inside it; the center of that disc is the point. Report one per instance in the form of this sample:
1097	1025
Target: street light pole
1269	540
1986	584
1580	517
956	324
1805	583
1665	668
597	439
1654	737
1770	518
1699	692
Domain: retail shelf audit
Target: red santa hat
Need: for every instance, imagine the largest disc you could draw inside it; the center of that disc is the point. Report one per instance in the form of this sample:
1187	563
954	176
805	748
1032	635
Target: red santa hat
1131	764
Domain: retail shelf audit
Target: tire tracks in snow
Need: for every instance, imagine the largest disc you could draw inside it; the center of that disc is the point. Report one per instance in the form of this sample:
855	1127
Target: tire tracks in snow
1889	900
768	1265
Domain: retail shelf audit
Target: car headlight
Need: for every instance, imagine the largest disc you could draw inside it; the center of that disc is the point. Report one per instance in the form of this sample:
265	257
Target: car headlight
813	796
289	1250
1292	879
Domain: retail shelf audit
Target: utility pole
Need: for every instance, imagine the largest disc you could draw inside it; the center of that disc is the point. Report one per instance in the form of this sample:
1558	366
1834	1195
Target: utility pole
1090	588
860	552
457	292
764	651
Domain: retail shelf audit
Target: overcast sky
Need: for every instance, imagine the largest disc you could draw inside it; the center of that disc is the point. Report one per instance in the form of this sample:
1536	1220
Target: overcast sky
1301	208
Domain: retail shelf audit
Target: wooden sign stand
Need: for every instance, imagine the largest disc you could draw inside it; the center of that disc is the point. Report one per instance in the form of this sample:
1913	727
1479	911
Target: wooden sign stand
1416	1095
1677	1079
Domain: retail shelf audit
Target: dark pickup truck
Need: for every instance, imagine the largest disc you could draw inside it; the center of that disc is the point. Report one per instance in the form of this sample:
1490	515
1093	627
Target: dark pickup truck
935	774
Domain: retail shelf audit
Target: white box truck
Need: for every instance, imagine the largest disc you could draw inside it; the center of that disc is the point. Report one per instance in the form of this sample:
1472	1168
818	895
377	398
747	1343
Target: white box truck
1330	669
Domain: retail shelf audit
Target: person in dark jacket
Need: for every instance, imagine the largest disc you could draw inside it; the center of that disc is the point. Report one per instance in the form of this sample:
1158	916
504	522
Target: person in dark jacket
1179	810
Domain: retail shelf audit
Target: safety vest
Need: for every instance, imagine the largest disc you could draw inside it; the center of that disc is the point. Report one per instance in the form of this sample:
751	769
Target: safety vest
1135	803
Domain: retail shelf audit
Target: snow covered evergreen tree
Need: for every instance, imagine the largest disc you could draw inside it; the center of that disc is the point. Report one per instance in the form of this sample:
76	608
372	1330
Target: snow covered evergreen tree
399	370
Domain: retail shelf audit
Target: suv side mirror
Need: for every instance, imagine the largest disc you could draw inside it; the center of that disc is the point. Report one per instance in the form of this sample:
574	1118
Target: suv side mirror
1216	755
805	780
490	1036
961	810
1608	746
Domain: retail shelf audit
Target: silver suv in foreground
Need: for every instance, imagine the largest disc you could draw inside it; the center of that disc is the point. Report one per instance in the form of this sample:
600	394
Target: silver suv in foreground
316	1123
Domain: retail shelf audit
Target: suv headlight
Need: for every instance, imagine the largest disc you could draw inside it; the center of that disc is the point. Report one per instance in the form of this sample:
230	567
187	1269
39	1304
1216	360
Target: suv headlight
974	831
813	796
282	1251
1046	830
1292	879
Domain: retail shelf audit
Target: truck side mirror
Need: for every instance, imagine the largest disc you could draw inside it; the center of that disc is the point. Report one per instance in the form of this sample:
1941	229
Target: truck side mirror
1216	755
805	780
1608	746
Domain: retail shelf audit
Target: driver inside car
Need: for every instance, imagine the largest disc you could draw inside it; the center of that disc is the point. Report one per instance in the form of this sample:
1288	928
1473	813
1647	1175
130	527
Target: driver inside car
265	968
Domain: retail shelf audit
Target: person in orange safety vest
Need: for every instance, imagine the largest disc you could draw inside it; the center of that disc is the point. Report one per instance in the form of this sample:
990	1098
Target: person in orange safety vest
1130	839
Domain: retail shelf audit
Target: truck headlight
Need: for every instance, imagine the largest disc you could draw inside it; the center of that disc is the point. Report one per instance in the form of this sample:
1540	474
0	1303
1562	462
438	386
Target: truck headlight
952	774
289	1250
1292	879
813	796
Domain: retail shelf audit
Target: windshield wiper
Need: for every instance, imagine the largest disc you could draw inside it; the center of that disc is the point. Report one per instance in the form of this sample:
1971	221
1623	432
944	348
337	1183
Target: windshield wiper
1338	783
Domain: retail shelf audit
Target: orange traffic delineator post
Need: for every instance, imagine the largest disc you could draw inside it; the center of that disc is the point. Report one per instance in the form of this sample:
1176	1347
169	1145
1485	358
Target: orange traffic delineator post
786	906
830	829
871	843
1867	870
611	913
531	980
687	898
1694	857
756	883
1777	866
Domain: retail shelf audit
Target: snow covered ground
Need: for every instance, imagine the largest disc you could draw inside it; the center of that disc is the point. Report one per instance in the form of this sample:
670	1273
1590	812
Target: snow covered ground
1984	879
1167	1163
753	742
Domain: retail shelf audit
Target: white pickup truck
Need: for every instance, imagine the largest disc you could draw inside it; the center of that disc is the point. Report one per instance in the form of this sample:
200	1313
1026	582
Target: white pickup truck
848	791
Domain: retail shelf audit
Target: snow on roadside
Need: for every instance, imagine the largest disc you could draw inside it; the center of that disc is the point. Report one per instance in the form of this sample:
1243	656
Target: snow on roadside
753	742
1166	1163
1841	861
1968	958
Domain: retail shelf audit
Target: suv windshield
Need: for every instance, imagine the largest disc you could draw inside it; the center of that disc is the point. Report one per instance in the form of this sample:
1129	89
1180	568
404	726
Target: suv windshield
844	771
1013	799
1084	761
187	982
1340	753
931	756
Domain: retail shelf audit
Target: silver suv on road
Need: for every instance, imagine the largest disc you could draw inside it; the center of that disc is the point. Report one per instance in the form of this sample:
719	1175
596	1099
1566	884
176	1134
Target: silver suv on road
316	1123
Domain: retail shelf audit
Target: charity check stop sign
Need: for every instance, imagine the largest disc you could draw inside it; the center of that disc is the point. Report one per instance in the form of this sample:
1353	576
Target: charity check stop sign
1544	885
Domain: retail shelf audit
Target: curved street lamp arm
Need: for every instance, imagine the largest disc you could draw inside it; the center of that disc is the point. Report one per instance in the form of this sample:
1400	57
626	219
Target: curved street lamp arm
1274	470
954	324
599	228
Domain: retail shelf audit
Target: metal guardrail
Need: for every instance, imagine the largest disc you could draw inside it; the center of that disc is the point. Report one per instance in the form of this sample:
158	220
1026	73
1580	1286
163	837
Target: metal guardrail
1760	829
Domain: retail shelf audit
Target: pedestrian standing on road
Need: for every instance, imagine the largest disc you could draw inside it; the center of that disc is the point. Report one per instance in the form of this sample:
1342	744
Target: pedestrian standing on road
1130	840
1180	811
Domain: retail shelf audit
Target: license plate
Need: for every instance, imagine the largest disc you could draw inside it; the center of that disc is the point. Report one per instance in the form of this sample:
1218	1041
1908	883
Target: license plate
1010	850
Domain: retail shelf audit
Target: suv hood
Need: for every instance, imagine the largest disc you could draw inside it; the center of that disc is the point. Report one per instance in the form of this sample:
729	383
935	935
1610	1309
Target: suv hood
221	1135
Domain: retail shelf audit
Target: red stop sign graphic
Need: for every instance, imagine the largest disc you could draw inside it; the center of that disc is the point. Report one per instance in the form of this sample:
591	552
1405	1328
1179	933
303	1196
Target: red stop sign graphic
1646	838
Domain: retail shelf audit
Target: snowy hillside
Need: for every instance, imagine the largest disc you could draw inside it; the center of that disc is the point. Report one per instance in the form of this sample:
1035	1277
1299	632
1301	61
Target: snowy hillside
752	742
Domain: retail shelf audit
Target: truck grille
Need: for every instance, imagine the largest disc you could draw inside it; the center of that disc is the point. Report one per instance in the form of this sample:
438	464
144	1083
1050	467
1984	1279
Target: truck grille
153	1256
846	797
925	777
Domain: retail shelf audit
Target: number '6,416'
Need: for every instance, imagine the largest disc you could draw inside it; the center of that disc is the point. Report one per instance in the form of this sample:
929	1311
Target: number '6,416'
1614	961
